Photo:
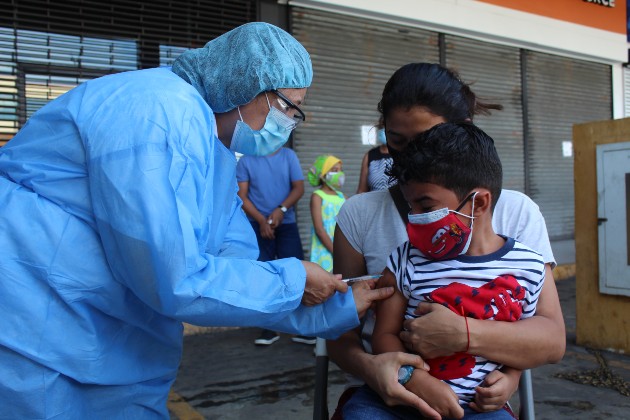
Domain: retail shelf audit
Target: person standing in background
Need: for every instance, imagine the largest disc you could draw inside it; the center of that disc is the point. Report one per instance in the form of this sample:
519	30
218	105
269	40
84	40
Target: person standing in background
374	164
270	187
326	200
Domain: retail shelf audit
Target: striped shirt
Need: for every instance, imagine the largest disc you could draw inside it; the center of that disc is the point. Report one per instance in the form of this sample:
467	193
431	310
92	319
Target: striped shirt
504	285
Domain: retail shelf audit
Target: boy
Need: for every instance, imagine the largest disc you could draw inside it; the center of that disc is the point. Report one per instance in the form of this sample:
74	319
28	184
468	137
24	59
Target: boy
451	177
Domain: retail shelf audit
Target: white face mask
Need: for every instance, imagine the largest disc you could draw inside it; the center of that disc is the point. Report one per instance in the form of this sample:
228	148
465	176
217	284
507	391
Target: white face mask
335	179
265	141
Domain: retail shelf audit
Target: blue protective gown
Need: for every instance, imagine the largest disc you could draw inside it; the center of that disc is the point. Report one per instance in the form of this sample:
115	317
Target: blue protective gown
119	221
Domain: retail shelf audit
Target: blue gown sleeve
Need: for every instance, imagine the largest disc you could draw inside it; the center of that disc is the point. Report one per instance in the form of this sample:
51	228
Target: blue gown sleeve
336	314
240	239
162	188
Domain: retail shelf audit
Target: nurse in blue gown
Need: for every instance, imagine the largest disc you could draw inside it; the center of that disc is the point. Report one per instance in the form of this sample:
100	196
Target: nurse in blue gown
120	220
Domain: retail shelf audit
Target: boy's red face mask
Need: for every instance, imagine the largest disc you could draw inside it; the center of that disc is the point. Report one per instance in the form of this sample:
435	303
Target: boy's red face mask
440	234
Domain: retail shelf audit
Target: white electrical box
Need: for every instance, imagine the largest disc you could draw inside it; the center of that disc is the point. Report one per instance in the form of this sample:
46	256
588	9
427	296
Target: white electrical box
613	212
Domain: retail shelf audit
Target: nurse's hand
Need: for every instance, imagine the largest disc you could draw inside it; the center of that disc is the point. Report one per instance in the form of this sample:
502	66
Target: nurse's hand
438	332
365	295
320	284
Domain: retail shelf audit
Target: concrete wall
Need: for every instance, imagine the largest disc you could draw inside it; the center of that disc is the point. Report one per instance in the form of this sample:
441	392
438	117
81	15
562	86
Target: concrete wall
603	321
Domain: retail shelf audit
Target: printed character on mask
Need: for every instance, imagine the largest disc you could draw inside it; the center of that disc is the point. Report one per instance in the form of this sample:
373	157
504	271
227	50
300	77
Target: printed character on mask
440	234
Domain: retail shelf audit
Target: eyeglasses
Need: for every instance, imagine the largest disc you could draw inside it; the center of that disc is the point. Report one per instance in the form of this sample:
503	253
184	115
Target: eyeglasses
286	104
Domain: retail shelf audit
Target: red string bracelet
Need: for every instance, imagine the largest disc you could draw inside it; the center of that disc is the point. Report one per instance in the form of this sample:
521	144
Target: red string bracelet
467	331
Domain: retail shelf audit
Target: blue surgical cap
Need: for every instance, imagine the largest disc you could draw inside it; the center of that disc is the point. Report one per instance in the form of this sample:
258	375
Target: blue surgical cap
235	67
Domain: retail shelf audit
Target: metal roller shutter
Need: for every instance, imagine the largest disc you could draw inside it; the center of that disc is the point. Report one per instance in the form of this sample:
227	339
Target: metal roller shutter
352	59
560	92
495	74
49	46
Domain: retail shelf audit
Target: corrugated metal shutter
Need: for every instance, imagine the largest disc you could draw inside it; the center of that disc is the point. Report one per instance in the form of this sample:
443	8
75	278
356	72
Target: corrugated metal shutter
495	74
626	91
560	92
352	59
49	46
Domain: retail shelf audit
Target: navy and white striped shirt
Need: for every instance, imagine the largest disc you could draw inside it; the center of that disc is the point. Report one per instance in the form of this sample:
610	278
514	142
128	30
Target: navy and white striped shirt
423	280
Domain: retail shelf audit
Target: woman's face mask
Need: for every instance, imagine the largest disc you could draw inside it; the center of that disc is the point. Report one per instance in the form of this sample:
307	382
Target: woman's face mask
335	179
380	136
265	141
439	234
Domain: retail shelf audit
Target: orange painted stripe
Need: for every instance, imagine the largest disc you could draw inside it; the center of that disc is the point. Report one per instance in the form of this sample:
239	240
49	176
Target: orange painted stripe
575	11
179	409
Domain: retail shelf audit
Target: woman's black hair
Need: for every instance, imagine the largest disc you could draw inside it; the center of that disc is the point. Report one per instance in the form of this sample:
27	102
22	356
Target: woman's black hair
436	88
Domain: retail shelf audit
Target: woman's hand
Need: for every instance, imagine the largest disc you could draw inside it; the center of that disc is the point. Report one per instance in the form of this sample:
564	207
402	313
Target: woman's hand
437	332
382	376
437	394
496	390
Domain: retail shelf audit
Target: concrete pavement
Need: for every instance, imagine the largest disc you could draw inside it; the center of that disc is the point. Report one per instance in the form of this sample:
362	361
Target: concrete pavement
223	375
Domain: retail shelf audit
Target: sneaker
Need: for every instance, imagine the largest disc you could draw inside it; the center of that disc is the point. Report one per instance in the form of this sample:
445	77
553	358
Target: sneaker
303	339
267	337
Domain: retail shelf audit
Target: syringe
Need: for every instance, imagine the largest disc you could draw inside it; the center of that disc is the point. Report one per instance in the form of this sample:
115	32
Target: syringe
363	278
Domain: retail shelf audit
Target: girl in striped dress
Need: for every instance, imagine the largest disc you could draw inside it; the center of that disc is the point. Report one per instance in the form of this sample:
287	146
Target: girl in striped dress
326	201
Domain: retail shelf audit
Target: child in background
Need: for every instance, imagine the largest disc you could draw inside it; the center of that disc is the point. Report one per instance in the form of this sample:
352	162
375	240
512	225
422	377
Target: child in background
325	204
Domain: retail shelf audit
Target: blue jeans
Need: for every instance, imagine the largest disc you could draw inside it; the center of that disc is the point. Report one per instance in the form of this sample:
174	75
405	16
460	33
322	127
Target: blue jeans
366	404
286	244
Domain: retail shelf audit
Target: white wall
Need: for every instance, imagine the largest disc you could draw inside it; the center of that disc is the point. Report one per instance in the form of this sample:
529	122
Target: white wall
489	23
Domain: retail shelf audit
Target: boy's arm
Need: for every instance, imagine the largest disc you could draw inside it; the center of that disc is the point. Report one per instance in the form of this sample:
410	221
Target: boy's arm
390	314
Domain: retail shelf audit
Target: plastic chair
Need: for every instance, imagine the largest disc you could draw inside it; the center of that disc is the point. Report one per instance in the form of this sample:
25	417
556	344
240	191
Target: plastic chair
526	396
320	408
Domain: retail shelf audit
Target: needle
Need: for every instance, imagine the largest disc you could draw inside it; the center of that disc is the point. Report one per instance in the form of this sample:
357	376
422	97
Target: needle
363	278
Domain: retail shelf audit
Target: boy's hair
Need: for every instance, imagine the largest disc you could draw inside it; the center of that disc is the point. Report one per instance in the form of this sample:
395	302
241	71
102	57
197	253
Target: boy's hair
457	156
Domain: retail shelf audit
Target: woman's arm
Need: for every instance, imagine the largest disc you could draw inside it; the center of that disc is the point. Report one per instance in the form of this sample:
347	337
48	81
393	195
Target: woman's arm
378	371
524	344
347	351
363	177
389	316
318	224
